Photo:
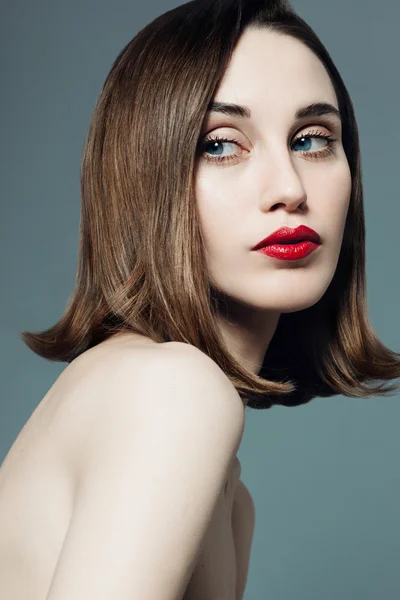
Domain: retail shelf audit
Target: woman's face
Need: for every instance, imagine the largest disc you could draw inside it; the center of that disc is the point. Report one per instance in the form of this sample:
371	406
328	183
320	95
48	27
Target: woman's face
275	177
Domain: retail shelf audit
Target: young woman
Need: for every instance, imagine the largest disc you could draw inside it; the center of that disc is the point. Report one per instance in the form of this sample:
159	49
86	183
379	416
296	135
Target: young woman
222	266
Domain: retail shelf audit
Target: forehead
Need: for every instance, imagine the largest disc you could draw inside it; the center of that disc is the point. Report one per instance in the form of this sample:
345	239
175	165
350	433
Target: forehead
272	72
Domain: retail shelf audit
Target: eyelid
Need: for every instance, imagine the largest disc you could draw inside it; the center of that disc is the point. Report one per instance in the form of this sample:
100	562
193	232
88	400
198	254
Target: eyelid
331	126
305	130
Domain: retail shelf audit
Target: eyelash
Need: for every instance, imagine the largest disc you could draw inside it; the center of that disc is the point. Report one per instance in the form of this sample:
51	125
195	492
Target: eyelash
313	155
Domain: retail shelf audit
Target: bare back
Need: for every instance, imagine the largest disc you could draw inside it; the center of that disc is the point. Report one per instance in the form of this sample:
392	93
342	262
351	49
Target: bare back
36	496
35	500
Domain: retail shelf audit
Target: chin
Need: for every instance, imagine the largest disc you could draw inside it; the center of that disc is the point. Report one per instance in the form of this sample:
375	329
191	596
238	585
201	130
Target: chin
279	303
280	294
293	306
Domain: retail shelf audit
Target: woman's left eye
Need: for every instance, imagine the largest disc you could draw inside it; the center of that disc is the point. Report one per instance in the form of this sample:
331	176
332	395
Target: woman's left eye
304	140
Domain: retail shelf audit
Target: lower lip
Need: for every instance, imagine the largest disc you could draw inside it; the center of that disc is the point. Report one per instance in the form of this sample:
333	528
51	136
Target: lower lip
289	251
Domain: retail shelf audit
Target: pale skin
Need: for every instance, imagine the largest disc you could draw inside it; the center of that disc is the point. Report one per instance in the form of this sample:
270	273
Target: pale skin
269	184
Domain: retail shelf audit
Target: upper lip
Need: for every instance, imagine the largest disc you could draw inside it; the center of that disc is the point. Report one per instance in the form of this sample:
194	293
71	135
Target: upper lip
286	234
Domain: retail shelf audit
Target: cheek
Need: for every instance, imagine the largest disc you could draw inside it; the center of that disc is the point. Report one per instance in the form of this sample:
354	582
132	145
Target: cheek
218	212
332	198
342	193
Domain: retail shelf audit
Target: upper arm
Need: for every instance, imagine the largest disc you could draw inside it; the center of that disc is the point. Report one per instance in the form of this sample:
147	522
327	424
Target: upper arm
153	466
243	521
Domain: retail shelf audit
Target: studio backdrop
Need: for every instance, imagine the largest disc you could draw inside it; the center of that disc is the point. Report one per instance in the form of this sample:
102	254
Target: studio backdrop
325	476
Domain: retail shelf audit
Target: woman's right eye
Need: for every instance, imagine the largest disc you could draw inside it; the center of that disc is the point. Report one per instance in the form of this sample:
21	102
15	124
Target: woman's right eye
217	142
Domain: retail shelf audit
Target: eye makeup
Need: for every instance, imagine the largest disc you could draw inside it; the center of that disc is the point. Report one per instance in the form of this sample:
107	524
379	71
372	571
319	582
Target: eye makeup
303	137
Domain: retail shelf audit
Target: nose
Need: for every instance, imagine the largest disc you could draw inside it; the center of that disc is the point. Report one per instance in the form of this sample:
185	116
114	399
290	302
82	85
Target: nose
284	187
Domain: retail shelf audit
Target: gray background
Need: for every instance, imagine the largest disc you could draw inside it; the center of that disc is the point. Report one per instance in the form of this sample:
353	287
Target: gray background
324	477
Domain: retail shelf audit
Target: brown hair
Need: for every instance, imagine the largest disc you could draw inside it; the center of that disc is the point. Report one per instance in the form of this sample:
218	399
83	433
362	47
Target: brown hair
142	265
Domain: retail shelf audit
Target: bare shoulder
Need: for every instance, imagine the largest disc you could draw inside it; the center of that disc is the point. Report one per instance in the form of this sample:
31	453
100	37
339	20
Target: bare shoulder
121	385
154	435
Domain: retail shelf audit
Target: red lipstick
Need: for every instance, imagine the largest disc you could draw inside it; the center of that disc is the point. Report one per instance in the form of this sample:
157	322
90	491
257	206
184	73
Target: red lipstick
290	244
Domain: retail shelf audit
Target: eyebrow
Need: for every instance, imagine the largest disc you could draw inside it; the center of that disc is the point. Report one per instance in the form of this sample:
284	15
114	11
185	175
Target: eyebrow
317	109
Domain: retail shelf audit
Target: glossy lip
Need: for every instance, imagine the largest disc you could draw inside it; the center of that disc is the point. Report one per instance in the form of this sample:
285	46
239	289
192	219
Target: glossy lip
295	251
285	235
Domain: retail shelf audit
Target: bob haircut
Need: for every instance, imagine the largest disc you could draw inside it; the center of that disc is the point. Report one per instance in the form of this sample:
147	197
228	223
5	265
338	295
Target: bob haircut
142	264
